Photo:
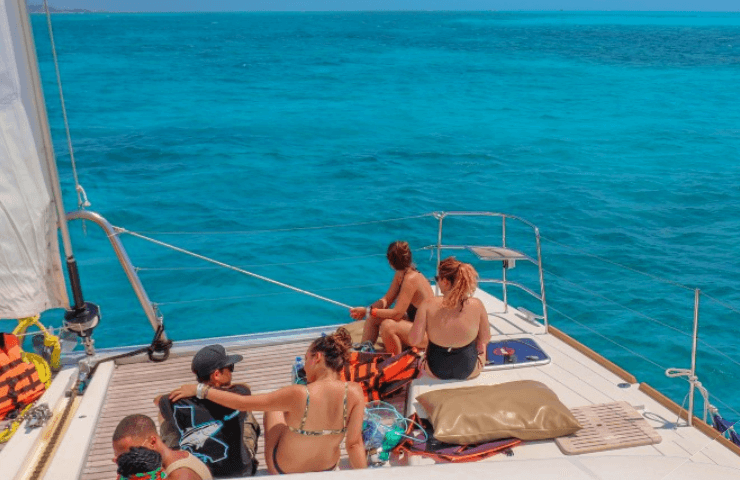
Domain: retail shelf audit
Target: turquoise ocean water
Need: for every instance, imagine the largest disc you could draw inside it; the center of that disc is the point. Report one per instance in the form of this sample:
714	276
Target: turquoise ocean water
618	134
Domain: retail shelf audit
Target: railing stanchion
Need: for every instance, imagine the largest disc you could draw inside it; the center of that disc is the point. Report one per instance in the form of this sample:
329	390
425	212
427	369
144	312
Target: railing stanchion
542	280
694	340
439	251
504	264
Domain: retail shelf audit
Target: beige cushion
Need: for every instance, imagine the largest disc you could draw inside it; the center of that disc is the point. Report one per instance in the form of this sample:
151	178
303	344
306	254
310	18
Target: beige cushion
526	409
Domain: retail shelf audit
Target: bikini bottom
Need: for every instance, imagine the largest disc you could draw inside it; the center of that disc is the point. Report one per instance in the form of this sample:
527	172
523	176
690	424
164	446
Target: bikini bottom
281	472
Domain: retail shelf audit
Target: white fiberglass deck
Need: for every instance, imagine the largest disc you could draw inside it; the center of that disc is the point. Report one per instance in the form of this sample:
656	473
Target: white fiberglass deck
684	452
579	381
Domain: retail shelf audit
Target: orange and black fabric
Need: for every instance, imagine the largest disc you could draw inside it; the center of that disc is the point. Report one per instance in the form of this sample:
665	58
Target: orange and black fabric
380	374
421	443
19	380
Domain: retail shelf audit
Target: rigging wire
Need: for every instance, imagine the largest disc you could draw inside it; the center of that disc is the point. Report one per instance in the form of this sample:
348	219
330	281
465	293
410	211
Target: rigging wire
275	230
304	262
258	295
82	200
607	338
592	255
120	230
636	312
726	305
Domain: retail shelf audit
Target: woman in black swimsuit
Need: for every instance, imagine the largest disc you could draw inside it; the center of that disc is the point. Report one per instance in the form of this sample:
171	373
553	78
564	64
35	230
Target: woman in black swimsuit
456	324
305	424
408	290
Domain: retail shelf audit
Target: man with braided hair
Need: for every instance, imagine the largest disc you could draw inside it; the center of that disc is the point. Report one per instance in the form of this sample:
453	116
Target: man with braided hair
140	431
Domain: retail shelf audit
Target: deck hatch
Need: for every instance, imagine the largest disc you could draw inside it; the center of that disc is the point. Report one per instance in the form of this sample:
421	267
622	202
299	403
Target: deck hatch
608	426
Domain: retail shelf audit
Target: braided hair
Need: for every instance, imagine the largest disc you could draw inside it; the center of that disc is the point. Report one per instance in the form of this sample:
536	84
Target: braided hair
334	347
140	463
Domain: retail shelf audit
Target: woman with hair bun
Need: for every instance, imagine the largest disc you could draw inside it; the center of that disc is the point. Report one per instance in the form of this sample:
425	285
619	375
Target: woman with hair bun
456	324
409	288
305	424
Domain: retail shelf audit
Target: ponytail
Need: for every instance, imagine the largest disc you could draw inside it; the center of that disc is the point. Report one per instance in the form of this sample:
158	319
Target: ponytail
464	280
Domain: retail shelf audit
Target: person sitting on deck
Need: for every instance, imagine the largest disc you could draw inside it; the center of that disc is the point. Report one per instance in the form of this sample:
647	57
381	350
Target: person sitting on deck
140	431
223	438
408	289
305	424
456	324
140	463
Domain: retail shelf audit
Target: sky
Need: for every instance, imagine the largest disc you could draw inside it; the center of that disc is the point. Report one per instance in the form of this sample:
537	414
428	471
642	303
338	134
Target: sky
345	5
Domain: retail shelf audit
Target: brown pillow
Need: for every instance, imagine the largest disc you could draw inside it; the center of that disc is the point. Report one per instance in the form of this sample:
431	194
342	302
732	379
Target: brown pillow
526	409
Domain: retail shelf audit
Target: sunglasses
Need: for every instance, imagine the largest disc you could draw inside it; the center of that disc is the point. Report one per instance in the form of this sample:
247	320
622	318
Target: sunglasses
229	367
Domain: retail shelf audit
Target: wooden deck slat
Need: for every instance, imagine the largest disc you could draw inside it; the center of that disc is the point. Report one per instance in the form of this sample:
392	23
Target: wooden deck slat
134	387
133	391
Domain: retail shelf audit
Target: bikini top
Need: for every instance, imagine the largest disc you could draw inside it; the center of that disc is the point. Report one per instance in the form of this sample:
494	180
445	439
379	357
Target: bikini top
300	429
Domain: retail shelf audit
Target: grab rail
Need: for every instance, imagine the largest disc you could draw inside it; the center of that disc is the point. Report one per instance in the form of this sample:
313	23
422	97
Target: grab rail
152	315
440	216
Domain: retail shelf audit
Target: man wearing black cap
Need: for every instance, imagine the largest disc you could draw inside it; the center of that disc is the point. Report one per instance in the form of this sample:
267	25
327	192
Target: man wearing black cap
224	439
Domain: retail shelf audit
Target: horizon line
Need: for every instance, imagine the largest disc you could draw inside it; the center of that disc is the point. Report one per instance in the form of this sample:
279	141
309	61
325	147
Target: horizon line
389	11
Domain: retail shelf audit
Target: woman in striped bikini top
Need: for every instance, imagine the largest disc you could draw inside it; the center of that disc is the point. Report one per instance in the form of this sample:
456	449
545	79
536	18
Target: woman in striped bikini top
304	425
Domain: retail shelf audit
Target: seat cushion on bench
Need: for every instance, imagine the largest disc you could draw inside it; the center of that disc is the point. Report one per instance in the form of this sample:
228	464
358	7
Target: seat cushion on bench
525	409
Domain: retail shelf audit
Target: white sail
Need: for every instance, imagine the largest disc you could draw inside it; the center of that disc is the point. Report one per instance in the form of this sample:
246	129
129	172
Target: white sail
31	278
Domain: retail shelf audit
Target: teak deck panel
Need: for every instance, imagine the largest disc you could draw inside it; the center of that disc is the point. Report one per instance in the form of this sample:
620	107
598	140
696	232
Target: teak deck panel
134	387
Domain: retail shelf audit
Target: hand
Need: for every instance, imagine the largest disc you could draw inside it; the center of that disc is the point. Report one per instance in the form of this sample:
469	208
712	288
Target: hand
184	391
358	313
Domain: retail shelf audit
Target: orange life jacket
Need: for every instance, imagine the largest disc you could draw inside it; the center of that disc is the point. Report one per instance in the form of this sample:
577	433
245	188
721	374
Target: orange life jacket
19	381
380	374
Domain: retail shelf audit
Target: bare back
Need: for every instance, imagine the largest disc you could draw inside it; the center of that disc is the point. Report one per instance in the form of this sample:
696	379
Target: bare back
315	452
455	328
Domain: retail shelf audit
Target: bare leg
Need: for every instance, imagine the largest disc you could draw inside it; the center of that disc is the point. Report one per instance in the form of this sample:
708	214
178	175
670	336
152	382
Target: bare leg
275	427
370	332
479	366
395	335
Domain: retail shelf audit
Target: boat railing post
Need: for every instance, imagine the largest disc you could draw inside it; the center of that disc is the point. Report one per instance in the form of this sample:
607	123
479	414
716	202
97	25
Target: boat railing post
542	280
112	234
694	340
441	217
504	264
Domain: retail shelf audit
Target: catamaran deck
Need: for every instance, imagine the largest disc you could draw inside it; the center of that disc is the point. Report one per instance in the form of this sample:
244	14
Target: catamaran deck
577	380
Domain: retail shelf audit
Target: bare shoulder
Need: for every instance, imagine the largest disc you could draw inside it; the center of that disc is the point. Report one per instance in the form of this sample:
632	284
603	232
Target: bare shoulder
355	393
477	304
184	473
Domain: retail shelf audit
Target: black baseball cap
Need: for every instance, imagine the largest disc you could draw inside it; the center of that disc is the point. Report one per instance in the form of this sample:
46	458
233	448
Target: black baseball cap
212	358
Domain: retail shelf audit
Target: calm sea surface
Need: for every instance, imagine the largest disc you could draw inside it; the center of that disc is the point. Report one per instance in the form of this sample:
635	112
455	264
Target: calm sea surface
617	134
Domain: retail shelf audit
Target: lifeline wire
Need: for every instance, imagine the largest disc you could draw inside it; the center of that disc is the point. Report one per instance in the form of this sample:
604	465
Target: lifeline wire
654	277
607	338
230	267
336	259
82	201
636	312
243	297
319	227
705	344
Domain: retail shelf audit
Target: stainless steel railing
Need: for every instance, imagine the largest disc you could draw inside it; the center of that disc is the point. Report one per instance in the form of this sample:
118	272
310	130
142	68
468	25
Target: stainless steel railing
506	255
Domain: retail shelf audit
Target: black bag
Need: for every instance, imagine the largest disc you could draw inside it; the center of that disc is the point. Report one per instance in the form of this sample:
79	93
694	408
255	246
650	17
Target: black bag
222	438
